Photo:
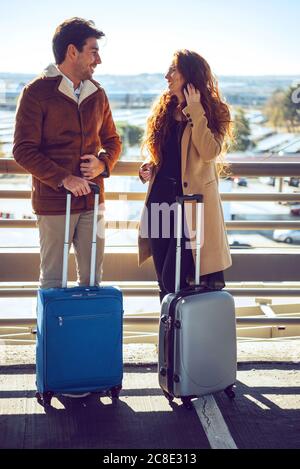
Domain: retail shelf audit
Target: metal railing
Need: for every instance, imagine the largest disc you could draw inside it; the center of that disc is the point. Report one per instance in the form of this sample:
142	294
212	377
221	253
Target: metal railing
143	328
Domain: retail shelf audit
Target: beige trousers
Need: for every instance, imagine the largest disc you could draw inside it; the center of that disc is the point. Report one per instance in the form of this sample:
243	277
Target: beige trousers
52	234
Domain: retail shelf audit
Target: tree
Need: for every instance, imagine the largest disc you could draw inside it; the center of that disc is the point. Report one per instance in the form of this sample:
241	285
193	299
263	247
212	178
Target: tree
131	135
1	150
274	108
135	134
283	108
291	107
241	132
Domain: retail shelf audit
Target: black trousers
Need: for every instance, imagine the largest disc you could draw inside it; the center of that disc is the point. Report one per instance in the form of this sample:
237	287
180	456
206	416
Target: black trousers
162	238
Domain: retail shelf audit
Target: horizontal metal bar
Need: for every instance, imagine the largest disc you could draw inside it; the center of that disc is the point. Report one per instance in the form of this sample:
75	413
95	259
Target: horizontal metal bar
142	292
109	224
152	285
241	165
122	168
262	292
248	265
19	342
149	324
14	194
18	322
22	336
138	322
123	196
268	321
133	224
262	225
258	168
259	197
140	196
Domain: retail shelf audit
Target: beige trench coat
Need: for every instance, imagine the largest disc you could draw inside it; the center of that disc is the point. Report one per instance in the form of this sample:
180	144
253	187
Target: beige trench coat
199	148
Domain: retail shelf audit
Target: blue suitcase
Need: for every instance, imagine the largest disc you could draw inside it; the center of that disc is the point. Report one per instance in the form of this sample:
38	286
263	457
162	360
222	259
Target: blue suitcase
79	333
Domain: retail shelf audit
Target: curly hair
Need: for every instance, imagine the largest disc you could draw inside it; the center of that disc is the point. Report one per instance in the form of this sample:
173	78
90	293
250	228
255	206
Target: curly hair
195	70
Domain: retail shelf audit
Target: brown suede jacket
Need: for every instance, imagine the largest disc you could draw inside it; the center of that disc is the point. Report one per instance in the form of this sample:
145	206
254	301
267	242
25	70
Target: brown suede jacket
53	130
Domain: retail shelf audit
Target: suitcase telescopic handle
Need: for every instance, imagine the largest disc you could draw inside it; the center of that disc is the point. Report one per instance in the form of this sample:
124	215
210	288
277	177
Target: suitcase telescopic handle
199	199
186	198
96	190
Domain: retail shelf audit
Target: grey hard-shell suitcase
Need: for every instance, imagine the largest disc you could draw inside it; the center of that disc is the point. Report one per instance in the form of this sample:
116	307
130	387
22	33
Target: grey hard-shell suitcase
197	332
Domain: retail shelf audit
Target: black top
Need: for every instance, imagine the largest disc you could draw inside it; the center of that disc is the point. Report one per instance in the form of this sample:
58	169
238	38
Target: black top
171	152
167	184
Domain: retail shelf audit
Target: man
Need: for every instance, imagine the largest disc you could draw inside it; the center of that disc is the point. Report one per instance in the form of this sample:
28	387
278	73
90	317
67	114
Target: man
66	138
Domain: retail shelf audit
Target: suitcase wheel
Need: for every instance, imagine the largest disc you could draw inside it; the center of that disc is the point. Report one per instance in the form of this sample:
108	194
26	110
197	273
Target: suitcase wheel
168	396
44	398
114	392
230	392
187	402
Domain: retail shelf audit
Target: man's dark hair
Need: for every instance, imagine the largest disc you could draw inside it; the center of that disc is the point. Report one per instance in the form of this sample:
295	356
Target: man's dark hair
73	31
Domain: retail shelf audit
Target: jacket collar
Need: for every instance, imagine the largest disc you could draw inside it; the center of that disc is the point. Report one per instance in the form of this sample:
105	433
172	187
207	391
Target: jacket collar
88	87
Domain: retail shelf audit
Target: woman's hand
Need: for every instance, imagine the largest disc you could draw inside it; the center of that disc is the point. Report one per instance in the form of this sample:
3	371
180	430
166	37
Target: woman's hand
145	171
192	95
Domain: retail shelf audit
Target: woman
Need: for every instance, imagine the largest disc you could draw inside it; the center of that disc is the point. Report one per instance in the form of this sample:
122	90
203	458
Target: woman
187	130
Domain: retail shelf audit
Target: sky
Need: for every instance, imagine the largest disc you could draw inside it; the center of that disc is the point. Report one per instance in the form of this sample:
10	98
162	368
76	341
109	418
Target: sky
236	37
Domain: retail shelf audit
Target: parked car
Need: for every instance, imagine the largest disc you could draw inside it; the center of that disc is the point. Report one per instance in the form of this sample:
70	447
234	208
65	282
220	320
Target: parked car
241	182
287	236
271	181
238	242
295	210
6	215
294	182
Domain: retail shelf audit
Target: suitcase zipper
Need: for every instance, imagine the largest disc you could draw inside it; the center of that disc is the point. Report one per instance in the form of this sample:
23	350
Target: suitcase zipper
83	295
61	319
169	345
82	298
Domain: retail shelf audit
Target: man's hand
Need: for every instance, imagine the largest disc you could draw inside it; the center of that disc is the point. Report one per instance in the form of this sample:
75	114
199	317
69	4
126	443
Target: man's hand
78	186
192	95
91	166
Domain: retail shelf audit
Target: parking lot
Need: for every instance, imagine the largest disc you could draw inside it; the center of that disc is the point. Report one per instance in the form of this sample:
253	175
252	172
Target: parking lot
259	211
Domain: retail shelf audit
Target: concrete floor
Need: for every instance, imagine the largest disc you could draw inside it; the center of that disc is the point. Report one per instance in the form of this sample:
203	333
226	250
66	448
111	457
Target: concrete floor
264	414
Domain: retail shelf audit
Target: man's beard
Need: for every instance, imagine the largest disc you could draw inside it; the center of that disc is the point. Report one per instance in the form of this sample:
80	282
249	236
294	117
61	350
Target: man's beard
86	74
